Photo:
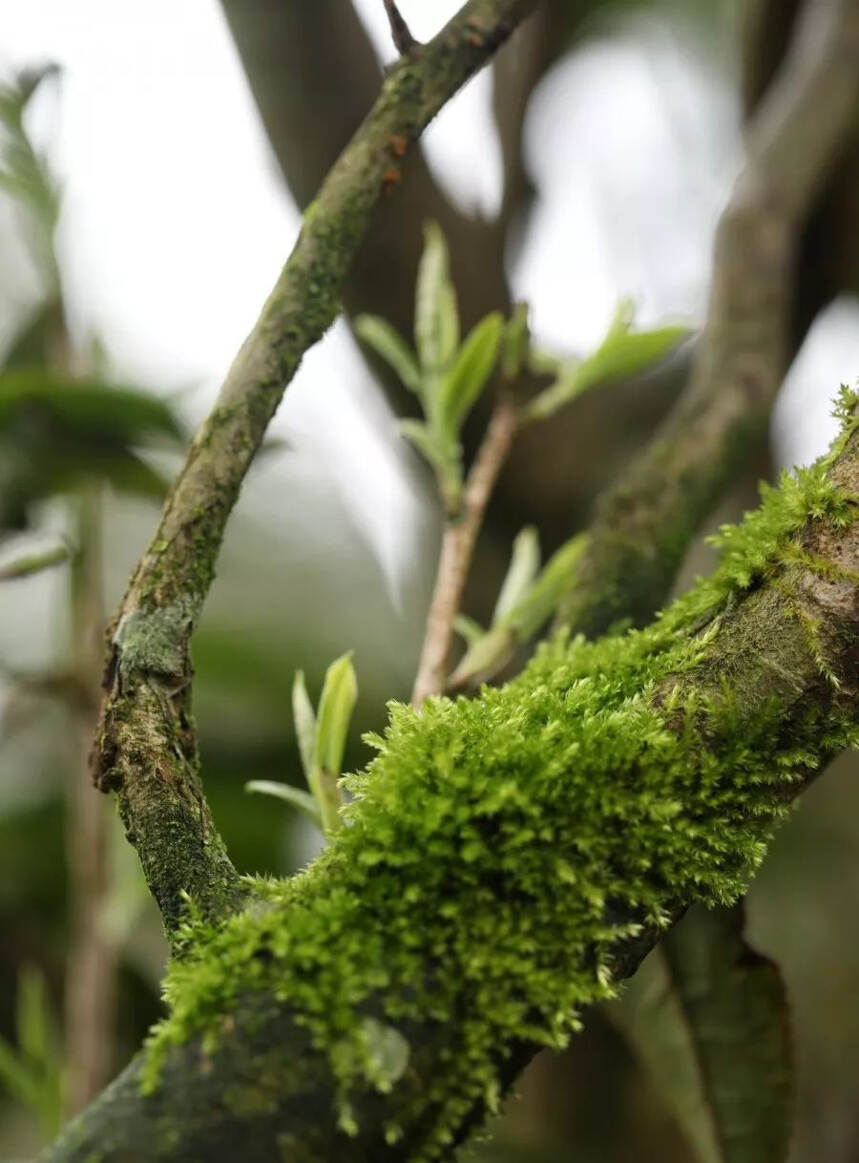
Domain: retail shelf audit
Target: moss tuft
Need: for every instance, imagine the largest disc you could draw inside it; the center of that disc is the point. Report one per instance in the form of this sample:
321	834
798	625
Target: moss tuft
499	851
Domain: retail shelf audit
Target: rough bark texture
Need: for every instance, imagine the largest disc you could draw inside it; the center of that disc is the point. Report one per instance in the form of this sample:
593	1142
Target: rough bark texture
646	520
146	747
748	702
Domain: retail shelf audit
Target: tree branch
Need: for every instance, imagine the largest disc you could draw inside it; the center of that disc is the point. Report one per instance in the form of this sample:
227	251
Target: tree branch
545	835
403	40
146	747
457	549
645	522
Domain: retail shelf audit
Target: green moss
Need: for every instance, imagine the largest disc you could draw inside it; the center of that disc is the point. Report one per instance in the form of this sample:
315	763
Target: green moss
499	851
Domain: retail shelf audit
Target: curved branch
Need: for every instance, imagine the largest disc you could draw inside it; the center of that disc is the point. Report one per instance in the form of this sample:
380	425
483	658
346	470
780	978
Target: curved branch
146	747
645	522
510	860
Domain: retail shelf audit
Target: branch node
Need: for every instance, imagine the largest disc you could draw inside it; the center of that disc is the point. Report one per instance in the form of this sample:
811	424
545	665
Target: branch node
404	42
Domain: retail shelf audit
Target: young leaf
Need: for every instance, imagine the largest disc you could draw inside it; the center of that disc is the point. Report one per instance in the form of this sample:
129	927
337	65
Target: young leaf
425	441
387	342
516	343
524	567
709	1018
339	694
305	723
470	630
299	799
485	657
467	377
434	333
622	354
33	1020
542	598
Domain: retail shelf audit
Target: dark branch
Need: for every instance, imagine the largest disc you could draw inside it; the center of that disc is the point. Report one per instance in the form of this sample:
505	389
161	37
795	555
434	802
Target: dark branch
403	39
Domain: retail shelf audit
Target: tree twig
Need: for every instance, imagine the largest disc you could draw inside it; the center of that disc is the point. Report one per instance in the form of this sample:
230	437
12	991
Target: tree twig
146	748
646	520
404	42
457	548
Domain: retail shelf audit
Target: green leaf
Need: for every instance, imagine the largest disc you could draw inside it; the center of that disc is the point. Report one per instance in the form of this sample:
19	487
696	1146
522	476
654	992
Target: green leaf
387	342
339	694
433	301
469	374
485	657
33	1019
524	567
543	596
387	1053
516	343
469	629
425	441
709	1017
621	355
305	723
299	799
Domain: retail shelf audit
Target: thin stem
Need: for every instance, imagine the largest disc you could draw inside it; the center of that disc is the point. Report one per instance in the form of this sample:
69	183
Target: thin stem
403	39
457	549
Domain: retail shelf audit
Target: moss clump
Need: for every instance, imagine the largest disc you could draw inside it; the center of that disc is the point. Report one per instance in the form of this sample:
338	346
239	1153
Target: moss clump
499	851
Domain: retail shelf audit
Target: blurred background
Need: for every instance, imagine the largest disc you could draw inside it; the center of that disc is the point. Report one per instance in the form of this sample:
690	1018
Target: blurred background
171	148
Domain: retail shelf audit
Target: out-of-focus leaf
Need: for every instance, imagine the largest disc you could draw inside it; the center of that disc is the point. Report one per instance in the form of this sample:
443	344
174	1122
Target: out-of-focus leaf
469	629
433	331
387	342
709	1018
515	344
486	657
87	405
524	567
299	799
35	562
424	440
622	354
449	322
305	723
23	174
470	372
32	1071
541	599
32	346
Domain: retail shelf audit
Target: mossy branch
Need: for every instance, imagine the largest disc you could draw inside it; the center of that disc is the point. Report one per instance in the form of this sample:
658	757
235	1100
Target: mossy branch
146	747
543	836
645	522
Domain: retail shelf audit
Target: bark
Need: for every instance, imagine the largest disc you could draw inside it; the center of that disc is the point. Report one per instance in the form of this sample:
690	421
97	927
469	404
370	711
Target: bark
774	669
645	522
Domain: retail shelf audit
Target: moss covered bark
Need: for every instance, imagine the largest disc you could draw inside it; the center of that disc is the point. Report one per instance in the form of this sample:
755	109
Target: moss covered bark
645	522
146	747
507	861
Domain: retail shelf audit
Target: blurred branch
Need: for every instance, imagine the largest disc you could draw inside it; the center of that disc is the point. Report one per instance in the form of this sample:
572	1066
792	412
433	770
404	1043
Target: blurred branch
34	563
458	541
663	781
646	520
146	747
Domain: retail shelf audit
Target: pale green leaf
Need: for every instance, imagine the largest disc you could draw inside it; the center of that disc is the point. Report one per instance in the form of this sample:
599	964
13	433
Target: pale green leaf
433	301
387	342
299	799
524	567
622	354
469	629
469	374
339	694
516	343
485	657
387	1053
542	597
33	1018
305	723
709	1018
449	324
425	441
